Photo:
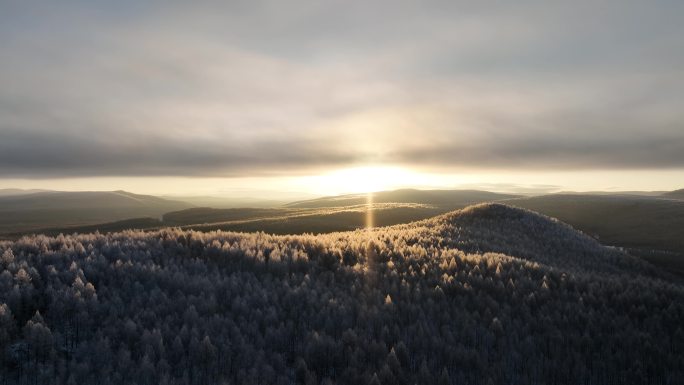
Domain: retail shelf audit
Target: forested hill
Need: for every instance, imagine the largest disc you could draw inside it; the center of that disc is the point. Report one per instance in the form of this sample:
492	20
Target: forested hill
525	234
487	295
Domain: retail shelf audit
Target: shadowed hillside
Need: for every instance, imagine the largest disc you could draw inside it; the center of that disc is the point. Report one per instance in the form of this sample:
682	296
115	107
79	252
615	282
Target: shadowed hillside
486	295
213	215
625	220
26	212
17	191
677	194
517	232
641	223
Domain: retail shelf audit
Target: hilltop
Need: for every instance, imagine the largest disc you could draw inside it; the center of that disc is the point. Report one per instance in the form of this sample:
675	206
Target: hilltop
519	232
487	294
649	226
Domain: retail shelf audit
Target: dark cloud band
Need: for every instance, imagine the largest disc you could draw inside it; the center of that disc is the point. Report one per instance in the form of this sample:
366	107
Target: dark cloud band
136	90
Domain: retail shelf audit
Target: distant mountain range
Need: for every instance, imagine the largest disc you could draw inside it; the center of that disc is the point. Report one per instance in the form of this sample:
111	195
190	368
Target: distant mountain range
26	211
18	191
444	198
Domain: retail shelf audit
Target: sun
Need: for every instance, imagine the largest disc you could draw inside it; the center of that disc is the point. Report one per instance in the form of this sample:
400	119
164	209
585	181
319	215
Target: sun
368	179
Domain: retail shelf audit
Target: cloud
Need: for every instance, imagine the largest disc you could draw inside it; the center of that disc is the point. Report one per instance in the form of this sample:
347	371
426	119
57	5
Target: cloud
273	88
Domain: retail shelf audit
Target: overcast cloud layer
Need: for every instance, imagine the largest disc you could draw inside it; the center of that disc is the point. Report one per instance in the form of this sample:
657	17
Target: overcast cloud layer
259	88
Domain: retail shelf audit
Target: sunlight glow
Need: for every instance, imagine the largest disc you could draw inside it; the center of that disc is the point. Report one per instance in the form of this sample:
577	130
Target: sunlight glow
364	179
370	222
369	179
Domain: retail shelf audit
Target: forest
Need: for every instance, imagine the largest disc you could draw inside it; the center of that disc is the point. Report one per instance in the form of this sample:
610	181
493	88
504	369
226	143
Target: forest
490	294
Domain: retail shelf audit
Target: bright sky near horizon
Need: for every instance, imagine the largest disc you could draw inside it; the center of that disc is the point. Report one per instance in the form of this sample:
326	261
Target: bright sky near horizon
327	97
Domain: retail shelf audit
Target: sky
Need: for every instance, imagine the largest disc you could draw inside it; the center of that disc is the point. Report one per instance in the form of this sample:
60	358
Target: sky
326	97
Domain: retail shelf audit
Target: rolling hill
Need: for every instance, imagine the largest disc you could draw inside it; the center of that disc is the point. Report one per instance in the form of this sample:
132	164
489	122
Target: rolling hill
18	191
451	199
630	221
28	212
346	212
649	226
489	294
219	202
677	194
273	220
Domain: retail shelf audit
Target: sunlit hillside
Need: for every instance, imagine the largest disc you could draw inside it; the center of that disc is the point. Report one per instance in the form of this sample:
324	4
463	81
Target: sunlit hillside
487	295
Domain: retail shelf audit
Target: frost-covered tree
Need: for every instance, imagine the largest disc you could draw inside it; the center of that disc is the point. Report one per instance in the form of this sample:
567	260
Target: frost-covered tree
489	294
